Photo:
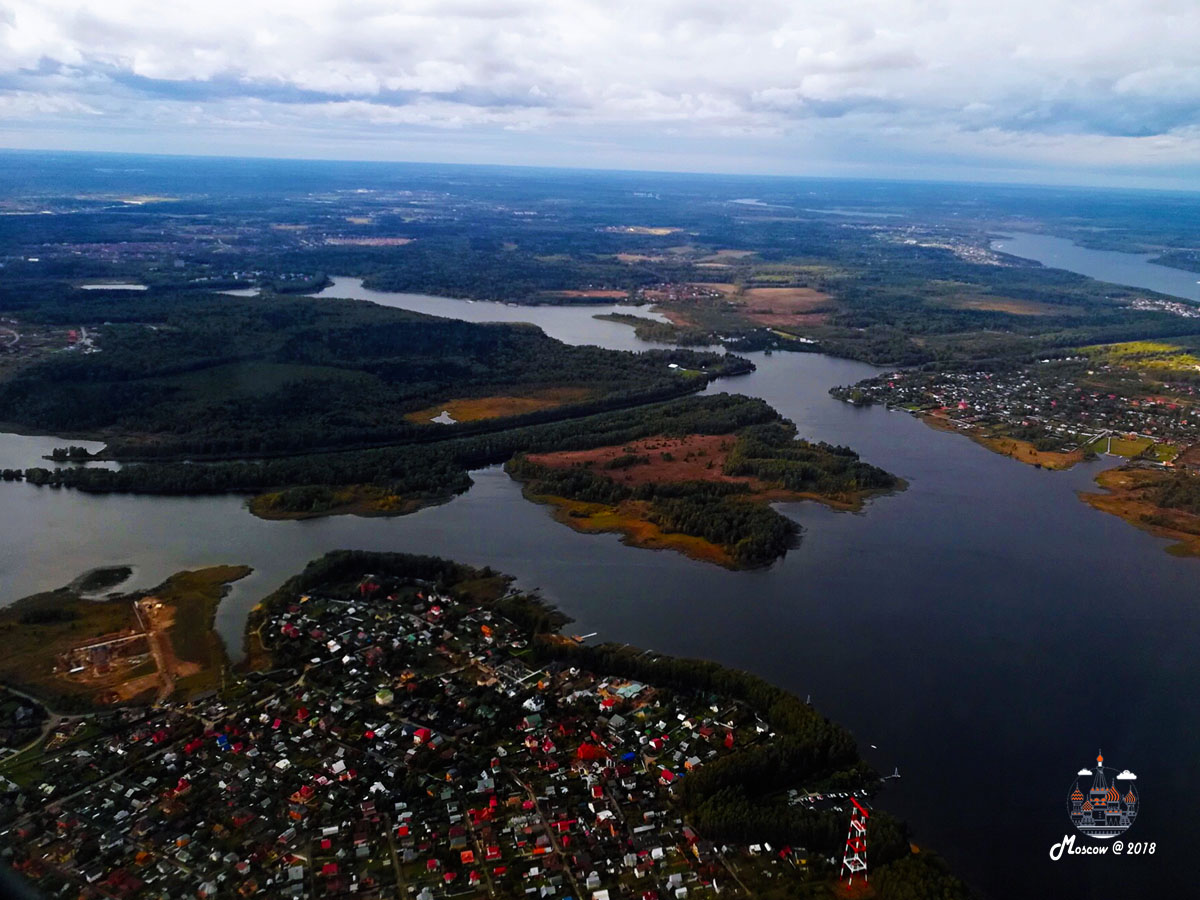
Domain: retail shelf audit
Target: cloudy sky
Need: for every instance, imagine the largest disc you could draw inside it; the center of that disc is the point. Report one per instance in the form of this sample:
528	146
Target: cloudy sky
1096	91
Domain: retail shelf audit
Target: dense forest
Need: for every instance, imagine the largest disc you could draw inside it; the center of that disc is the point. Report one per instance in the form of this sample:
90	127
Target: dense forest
422	470
1178	490
202	375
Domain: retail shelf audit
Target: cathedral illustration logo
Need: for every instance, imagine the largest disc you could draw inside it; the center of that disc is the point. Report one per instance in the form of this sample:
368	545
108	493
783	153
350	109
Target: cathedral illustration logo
1103	802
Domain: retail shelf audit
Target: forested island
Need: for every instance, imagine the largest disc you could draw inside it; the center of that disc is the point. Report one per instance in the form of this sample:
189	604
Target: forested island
705	495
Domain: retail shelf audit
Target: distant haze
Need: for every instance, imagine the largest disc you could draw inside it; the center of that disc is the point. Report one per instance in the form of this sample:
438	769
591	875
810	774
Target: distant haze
1103	92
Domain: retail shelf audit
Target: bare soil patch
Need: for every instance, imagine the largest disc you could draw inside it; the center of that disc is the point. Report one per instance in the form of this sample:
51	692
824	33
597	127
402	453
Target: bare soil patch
696	457
472	409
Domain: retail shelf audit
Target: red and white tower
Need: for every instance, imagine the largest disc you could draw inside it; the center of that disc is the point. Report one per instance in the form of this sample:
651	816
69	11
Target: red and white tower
854	860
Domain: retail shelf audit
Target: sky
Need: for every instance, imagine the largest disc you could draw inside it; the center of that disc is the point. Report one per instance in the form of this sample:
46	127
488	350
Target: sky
1103	92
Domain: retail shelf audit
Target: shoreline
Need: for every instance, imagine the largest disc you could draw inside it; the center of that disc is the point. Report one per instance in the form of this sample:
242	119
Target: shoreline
1123	498
1013	448
360	501
625	519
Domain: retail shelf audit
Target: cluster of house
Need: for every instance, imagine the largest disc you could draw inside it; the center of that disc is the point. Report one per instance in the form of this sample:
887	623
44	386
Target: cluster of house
1047	396
1174	307
408	745
669	292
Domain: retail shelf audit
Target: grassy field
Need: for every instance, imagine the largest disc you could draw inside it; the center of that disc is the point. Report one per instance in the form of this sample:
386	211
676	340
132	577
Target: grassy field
1127	447
1146	355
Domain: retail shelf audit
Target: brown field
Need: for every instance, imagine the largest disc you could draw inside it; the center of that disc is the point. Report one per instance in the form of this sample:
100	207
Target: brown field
1011	305
172	640
779	305
359	220
692	456
472	409
1124	496
724	256
368	241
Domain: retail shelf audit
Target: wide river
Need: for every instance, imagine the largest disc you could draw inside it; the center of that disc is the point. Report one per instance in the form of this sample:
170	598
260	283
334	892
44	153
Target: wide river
984	628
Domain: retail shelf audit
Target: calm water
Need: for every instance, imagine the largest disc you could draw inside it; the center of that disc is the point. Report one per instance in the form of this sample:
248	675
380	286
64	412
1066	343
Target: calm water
571	324
984	628
1133	269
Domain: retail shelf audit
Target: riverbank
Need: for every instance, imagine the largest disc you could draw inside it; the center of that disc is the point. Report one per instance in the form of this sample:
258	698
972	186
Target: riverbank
1126	496
1021	451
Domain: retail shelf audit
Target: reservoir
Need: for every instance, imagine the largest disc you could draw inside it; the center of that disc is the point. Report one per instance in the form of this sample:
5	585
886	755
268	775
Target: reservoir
984	628
1133	269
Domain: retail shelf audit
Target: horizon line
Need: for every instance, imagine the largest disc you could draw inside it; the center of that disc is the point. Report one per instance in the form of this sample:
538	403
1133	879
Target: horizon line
612	170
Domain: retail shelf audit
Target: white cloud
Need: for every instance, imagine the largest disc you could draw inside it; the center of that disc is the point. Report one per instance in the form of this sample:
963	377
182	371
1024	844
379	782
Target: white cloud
1031	82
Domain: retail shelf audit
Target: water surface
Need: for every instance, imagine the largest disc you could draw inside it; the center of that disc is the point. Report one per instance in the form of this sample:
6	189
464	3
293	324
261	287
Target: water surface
1133	269
984	628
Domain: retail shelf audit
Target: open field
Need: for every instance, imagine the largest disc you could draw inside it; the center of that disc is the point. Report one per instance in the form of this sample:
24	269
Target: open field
696	457
1118	446
1025	452
777	305
639	258
37	629
1011	305
189	600
1146	355
472	409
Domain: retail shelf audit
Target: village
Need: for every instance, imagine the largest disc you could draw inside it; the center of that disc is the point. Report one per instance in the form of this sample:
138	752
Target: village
405	744
1074	404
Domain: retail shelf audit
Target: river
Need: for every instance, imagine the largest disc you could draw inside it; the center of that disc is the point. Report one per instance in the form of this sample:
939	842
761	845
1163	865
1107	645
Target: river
1133	269
984	628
